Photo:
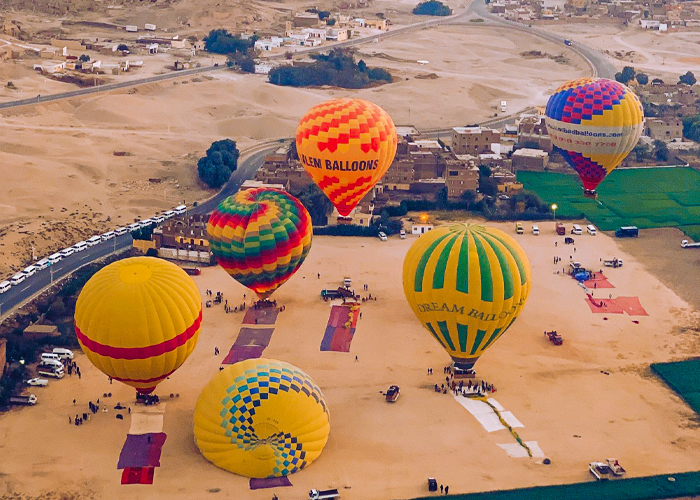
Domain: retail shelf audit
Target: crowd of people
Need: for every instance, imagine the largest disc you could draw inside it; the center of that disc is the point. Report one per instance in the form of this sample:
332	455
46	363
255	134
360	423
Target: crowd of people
461	388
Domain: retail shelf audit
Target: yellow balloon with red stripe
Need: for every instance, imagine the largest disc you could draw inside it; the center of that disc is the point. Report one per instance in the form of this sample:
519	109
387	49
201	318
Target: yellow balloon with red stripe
346	146
138	319
467	284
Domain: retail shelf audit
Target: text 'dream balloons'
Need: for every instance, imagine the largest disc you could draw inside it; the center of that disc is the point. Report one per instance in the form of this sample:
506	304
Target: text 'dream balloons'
260	237
467	284
346	146
138	319
261	418
594	123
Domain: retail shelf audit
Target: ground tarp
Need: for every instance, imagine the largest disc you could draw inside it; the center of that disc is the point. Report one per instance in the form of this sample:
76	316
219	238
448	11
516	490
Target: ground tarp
261	316
250	343
147	419
269	482
341	328
603	306
137	475
598	280
142	450
631	306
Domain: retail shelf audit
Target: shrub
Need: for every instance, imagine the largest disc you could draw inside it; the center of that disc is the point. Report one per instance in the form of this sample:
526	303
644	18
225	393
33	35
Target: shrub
432	8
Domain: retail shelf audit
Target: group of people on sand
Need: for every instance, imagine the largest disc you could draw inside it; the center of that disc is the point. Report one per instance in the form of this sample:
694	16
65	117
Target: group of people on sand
92	408
475	388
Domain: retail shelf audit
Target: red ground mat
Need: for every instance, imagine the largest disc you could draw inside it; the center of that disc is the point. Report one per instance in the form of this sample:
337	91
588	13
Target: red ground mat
338	336
263	316
631	306
250	343
599	280
137	475
269	482
603	306
142	450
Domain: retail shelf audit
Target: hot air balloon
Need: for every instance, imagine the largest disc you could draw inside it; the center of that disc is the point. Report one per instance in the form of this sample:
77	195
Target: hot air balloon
467	284
346	146
261	418
260	237
594	123
138	320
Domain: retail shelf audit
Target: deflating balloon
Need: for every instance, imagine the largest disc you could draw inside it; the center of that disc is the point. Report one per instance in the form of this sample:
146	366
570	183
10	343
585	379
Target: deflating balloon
346	146
260	237
467	284
594	123
138	320
261	418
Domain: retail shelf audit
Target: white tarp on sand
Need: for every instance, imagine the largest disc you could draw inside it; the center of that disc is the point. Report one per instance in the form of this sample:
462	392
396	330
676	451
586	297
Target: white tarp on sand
485	414
145	419
516	451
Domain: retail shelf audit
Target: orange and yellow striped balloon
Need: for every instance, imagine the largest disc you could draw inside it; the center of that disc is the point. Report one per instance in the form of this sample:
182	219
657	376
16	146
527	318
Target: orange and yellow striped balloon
138	320
346	146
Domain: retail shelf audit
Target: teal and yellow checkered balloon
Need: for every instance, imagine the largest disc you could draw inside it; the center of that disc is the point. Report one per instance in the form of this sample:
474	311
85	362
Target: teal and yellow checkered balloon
261	418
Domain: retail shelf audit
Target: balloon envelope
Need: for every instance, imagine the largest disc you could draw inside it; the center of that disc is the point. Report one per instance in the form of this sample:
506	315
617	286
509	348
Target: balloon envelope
260	237
346	146
261	418
138	319
467	284
594	123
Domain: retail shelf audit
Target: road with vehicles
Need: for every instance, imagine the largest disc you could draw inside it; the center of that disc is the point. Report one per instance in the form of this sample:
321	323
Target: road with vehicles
34	285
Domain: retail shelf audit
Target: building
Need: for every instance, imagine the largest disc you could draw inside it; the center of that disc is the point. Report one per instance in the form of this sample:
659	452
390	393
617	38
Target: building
70	44
533	129
474	140
421	228
183	238
50	67
359	216
337	35
315	33
253	184
530	159
267	44
152	48
305	20
377	24
33	332
279	168
400	175
664	129
460	176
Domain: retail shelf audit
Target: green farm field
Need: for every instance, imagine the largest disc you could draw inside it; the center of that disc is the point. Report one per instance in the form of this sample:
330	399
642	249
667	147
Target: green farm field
645	197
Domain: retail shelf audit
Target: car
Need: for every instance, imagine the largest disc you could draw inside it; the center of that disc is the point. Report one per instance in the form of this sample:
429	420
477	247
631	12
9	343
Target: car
63	353
159	219
591	229
29	271
108	235
5	286
67	252
180	209
54	258
80	246
36	381
18	278
503	197
146	223
392	394
519	228
121	231
576	229
168	214
535	230
94	240
382	236
134	227
402	234
42	264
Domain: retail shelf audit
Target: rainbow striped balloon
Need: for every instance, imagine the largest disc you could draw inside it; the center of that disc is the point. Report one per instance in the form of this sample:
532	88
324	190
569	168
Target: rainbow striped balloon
467	284
138	320
346	146
594	123
260	237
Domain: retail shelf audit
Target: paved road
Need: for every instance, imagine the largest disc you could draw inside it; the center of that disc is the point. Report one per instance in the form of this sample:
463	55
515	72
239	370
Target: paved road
37	283
598	62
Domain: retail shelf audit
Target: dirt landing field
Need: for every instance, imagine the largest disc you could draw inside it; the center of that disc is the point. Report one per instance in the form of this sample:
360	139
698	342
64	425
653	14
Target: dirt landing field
574	411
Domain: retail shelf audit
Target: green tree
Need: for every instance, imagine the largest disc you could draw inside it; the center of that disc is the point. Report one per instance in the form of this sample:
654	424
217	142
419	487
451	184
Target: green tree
626	75
642	79
484	171
84	58
323	14
688	78
432	8
317	203
362	66
641	151
123	47
220	161
228	150
469	198
221	42
330	22
247	65
660	150
441	197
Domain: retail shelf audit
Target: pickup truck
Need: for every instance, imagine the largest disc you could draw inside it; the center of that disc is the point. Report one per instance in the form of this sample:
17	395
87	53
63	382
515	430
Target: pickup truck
192	271
392	394
338	293
614	262
324	494
23	400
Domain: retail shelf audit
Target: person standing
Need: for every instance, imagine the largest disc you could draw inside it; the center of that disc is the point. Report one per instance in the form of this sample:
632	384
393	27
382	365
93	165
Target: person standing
442	489
447	488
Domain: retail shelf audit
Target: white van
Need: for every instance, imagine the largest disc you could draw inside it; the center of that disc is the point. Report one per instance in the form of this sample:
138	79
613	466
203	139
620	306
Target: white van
108	235
5	286
146	222
63	353
168	214
134	227
18	278
49	363
382	236
535	230
29	271
402	234
94	241
67	252
347	282
159	218
46	356
42	264
591	229
80	246
180	209
576	229
121	231
48	371
54	258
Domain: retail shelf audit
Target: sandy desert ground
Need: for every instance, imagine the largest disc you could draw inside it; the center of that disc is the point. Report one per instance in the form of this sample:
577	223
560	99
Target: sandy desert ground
166	127
664	55
574	411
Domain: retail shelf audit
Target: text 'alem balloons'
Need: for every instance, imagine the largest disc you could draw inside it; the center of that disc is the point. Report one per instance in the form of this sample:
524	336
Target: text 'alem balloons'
261	418
138	319
260	237
594	123
467	284
346	146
